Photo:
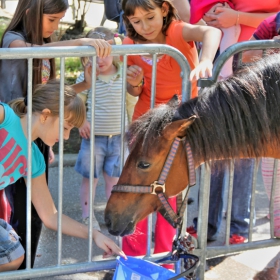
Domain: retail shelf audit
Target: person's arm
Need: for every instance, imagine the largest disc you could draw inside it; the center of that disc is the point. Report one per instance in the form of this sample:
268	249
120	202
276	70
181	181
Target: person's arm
210	38
226	17
103	48
183	9
2	114
43	202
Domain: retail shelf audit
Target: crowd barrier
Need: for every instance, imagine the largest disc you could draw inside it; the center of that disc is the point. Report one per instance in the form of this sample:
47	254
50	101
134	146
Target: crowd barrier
203	251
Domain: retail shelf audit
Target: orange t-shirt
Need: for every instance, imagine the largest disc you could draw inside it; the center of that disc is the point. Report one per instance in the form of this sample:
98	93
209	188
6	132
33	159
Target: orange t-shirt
168	77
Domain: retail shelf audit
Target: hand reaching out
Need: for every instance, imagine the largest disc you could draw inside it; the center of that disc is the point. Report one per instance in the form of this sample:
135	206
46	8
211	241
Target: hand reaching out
109	247
202	70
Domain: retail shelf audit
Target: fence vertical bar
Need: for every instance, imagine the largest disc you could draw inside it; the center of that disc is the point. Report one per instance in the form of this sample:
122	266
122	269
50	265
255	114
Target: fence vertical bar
272	197
229	204
203	217
92	163
253	200
29	163
60	163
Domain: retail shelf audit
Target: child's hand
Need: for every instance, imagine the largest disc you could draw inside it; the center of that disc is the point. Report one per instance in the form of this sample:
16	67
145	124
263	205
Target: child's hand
85	130
51	155
134	75
203	70
103	48
108	245
222	18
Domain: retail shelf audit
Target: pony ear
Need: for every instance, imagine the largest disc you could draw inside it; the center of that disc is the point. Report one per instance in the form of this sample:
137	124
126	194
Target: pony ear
177	128
174	101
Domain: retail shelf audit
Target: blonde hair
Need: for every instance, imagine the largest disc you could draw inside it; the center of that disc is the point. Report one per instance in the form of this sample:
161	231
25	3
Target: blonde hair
47	96
105	33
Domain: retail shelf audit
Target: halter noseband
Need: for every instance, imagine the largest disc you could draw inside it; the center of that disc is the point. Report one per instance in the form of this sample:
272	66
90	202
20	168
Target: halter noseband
158	187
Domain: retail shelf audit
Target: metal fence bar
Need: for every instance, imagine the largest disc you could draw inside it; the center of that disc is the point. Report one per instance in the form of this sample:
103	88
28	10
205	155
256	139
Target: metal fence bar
253	200
272	197
29	164
203	251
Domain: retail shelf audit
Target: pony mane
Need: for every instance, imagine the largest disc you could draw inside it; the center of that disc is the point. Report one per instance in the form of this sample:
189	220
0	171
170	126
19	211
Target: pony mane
149	126
236	115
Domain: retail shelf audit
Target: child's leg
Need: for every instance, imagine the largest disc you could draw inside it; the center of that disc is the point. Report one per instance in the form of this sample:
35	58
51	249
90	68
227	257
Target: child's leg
267	173
84	195
230	37
111	167
83	167
12	252
109	183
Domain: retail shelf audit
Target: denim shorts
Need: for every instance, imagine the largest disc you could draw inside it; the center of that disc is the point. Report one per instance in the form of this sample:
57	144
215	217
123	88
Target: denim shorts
10	247
107	150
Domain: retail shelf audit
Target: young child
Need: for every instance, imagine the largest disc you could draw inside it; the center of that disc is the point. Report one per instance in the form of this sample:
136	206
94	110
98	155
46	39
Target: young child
32	25
45	124
107	140
230	34
156	21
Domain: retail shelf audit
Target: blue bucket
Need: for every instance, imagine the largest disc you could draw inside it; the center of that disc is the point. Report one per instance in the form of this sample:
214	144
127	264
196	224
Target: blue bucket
138	269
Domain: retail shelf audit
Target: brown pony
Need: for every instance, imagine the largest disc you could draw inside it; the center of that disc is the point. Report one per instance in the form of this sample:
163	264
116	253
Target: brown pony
237	117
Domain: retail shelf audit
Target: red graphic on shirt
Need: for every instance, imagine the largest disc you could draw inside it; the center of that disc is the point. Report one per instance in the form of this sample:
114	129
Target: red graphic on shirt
10	158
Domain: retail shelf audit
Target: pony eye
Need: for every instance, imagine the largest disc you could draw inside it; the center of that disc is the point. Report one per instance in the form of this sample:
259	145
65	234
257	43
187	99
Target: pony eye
143	165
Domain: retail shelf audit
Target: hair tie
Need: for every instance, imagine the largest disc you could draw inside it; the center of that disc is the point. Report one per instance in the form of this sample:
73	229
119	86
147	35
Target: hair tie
25	100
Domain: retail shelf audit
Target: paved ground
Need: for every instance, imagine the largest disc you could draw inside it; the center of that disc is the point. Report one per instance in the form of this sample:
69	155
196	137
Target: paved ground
241	266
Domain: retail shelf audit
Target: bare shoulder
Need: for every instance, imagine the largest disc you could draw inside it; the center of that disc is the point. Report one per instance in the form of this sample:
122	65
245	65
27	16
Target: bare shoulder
2	113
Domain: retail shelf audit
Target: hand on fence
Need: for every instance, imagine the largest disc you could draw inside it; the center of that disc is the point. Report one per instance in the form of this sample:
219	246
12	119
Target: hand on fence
203	70
103	48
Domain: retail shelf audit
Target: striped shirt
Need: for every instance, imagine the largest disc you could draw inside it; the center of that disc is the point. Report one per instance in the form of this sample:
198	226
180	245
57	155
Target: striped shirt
108	97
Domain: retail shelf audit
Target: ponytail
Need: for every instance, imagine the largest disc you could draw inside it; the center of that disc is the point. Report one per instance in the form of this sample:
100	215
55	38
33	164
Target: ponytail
19	107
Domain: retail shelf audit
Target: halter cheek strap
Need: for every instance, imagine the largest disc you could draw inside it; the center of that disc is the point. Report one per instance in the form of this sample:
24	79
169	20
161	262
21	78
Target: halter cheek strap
158	187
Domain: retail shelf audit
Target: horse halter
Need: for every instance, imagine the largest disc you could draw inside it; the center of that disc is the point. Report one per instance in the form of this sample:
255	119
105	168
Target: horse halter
158	187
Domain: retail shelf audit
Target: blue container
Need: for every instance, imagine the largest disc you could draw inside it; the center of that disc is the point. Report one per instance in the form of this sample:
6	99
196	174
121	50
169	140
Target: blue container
137	269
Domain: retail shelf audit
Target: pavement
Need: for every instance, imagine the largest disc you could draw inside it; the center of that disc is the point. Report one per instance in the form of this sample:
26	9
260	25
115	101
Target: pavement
242	266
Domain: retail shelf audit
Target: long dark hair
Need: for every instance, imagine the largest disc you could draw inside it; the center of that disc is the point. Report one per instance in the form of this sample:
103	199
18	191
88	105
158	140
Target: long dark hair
28	21
129	6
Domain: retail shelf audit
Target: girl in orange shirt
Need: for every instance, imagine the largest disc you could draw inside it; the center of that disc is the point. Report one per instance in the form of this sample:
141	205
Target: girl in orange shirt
157	22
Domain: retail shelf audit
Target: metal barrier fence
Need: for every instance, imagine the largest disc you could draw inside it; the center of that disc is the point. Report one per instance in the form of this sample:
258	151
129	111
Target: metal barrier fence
202	251
62	53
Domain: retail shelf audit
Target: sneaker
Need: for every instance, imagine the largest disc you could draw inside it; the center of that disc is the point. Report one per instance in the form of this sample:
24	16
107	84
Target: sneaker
95	223
192	231
237	239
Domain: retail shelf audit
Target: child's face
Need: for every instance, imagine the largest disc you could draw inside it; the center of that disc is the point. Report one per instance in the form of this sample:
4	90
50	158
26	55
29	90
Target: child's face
105	65
50	23
50	130
149	24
